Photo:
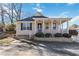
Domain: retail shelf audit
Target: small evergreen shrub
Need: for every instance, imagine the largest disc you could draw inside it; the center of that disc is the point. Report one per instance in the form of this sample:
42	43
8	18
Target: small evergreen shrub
58	35
39	34
48	35
67	35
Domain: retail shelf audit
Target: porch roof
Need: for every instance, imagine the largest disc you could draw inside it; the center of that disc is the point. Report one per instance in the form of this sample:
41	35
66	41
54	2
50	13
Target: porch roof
57	20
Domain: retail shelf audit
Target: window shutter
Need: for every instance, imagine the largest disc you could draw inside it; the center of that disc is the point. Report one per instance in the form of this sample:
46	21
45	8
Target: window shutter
21	26
30	26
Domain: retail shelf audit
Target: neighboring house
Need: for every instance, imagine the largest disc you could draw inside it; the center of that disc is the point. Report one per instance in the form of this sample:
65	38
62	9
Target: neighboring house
40	23
74	27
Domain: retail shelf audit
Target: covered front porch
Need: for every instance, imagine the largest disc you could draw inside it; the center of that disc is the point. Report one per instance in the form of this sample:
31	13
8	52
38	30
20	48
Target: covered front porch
51	26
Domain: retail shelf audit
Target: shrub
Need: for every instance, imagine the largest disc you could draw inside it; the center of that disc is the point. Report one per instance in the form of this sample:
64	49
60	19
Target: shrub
58	35
73	32
10	27
66	35
39	34
48	35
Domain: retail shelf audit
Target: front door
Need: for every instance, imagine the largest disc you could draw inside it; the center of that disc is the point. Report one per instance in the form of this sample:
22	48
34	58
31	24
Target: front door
39	27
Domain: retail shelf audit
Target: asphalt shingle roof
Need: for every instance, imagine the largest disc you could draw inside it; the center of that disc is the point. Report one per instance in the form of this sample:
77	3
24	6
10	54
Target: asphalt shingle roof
31	18
37	15
27	19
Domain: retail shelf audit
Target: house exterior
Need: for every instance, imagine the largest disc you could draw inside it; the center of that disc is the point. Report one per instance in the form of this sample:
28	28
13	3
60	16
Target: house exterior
40	23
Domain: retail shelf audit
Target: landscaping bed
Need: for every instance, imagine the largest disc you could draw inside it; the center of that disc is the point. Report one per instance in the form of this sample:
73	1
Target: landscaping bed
58	37
52	39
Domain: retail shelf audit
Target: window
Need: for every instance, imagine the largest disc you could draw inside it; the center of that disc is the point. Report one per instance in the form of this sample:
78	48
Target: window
29	26
54	25
23	26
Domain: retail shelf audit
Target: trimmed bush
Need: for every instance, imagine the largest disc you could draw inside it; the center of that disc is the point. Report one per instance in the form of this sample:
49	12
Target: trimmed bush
73	32
58	35
67	35
48	35
39	34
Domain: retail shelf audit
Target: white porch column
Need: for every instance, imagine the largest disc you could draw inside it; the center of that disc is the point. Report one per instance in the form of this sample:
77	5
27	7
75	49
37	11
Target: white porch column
58	29
51	26
43	26
67	26
60	25
35	27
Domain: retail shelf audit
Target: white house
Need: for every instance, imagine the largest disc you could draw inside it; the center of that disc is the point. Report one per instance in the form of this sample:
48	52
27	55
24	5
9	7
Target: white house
40	23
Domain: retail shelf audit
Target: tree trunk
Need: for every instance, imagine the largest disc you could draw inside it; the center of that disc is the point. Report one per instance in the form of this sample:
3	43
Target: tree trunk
2	17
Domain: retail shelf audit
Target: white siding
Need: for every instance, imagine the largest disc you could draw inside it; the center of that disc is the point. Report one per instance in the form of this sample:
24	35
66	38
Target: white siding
34	27
23	32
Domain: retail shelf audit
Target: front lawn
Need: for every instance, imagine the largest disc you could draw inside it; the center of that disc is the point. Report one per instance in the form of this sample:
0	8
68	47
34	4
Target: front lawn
6	41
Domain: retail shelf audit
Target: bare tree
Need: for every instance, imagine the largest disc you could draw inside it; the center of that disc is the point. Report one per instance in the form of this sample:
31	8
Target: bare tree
2	17
10	12
18	10
14	11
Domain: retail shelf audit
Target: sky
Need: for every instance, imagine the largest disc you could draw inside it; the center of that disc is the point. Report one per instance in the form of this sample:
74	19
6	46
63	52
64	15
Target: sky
52	10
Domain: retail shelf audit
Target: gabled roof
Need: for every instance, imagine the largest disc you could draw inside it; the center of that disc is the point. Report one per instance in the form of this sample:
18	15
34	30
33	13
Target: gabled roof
37	15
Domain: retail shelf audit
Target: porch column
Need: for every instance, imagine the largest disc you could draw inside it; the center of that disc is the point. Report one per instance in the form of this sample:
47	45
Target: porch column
51	27
67	26
43	26
60	26
35	27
